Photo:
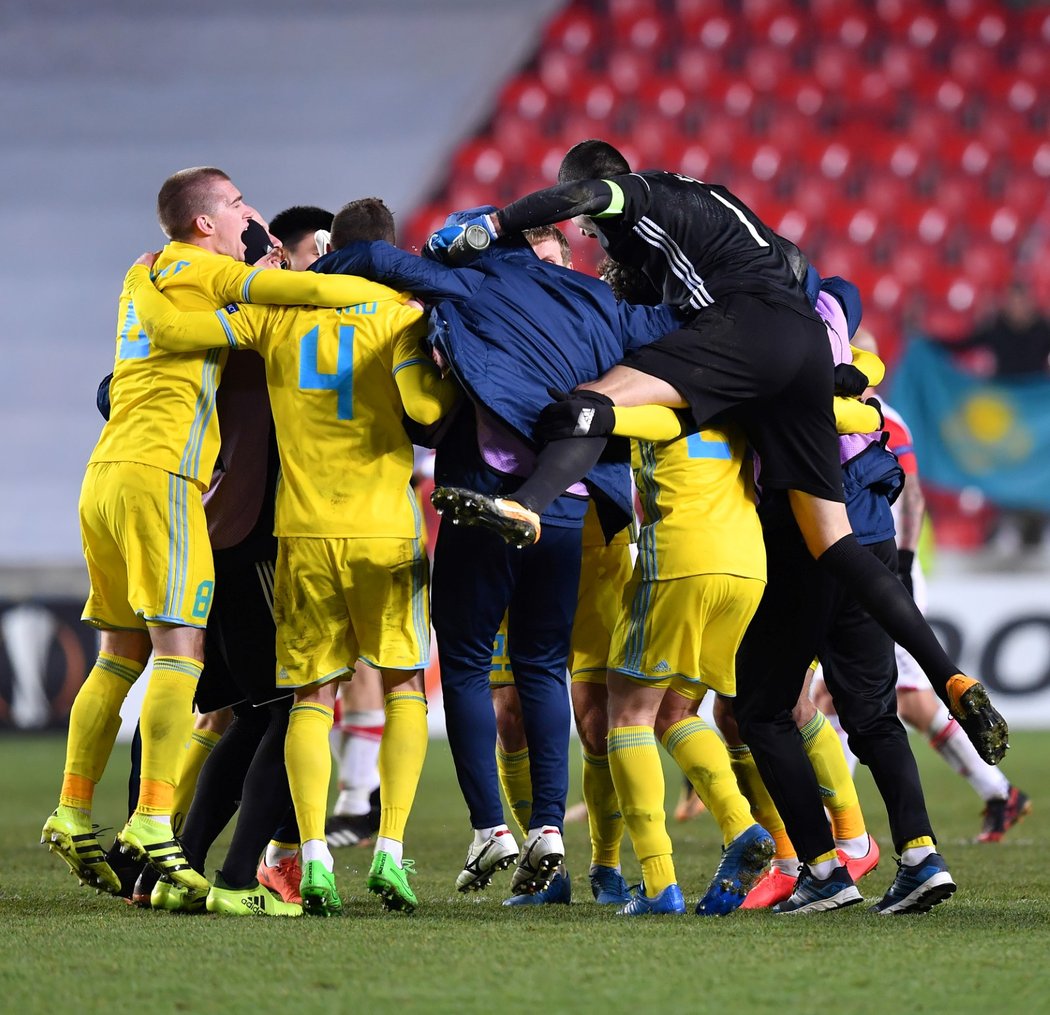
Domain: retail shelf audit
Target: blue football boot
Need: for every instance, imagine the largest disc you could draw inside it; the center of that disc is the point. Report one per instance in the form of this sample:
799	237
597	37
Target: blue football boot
742	864
670	900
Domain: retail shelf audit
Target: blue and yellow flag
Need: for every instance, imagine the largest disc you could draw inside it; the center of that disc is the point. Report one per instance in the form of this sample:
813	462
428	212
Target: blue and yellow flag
993	434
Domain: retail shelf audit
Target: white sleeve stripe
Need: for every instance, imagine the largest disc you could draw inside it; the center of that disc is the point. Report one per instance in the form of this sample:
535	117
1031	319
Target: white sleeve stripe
678	262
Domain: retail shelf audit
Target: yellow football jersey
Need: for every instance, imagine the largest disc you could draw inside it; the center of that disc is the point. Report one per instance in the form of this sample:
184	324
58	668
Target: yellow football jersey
162	405
594	537
698	508
346	461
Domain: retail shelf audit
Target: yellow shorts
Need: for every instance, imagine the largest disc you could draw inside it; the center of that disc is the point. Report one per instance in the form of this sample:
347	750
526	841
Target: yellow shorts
501	673
339	600
146	545
604	574
685	632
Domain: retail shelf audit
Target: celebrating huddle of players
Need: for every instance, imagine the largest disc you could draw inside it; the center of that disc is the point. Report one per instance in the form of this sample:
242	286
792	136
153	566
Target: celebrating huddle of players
710	370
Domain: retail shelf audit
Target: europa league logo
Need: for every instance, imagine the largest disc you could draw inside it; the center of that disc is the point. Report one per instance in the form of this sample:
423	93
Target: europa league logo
43	665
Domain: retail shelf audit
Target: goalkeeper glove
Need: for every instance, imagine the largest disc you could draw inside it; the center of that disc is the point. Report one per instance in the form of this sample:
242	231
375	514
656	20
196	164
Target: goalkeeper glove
580	413
849	381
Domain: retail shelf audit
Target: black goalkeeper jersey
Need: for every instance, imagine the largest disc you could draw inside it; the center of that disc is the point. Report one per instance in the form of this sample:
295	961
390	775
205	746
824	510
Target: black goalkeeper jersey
695	241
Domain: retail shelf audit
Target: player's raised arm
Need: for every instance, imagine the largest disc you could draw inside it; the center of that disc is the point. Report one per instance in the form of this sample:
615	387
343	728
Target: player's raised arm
592	198
399	269
241	283
171	329
306	287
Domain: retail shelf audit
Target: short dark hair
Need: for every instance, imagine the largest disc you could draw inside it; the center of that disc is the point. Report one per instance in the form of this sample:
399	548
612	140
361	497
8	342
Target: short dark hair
292	224
628	284
367	218
185	195
592	160
540	233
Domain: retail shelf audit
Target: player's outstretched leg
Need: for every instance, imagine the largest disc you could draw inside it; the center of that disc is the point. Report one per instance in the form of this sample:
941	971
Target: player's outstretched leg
516	524
979	718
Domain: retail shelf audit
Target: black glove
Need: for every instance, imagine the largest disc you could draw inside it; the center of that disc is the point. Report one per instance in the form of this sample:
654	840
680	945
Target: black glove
877	406
849	381
580	413
102	396
905	559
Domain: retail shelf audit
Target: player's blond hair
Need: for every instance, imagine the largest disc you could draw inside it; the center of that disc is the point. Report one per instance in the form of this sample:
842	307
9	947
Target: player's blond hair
537	234
185	195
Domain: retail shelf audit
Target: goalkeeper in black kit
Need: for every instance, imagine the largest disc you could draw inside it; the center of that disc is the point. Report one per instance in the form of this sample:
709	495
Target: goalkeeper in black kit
753	352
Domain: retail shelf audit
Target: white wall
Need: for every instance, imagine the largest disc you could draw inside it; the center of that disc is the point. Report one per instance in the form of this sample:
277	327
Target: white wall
310	102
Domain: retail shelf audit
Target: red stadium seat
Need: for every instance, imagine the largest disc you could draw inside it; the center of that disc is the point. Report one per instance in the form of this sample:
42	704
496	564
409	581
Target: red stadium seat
719	32
663	96
527	97
765	67
480	162
557	69
575	30
696	66
645	31
628	69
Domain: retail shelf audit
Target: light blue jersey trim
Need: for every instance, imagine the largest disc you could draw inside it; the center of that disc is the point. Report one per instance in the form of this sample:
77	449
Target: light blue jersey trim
409	363
221	315
245	297
203	411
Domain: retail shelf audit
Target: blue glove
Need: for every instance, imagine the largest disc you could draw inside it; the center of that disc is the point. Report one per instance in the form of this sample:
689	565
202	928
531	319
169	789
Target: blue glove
485	221
440	241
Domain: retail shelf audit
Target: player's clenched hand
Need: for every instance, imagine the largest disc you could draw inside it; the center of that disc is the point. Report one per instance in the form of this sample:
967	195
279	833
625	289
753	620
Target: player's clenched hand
849	381
148	259
440	241
580	413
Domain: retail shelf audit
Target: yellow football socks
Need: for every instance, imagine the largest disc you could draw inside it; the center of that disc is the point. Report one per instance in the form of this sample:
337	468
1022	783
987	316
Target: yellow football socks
165	724
603	810
309	762
837	788
200	745
701	754
638	776
94	721
516	781
402	752
763	809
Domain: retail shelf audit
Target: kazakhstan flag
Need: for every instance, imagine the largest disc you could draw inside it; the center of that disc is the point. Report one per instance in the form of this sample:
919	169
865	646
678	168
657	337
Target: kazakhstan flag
971	431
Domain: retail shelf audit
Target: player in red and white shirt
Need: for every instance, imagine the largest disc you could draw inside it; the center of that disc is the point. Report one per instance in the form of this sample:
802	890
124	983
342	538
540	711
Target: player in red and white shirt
917	705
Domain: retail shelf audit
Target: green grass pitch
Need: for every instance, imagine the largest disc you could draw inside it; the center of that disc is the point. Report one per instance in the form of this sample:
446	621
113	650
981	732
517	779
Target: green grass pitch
64	949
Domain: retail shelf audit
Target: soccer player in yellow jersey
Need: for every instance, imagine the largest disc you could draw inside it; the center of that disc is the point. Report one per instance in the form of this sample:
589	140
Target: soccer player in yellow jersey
352	571
700	556
143	528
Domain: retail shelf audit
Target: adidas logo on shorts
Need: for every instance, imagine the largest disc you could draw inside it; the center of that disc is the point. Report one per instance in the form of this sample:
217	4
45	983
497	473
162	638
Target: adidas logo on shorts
663	666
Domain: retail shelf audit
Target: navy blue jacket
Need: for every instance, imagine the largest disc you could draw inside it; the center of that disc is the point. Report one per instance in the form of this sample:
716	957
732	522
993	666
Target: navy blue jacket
510	326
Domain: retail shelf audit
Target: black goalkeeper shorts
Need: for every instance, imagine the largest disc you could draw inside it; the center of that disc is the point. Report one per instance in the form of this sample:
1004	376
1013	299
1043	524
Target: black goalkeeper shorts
240	647
767	368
